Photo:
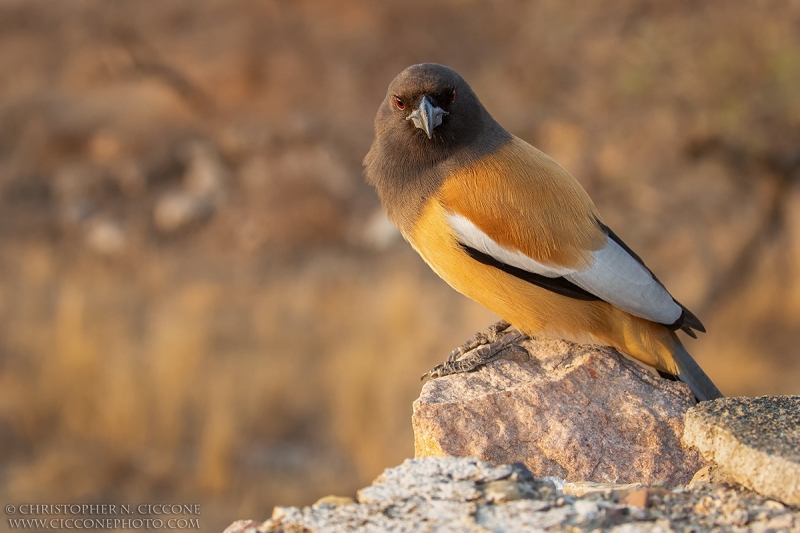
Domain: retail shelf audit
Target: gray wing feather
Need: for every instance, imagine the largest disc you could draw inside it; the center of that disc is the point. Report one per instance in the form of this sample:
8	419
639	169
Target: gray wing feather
621	280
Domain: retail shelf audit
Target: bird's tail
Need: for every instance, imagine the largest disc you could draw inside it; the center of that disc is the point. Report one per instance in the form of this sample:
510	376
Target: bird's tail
659	347
690	373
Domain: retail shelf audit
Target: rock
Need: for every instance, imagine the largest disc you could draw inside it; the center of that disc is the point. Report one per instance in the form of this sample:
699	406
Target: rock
712	474
461	495
582	413
243	526
502	491
755	441
636	498
434	480
582	488
335	501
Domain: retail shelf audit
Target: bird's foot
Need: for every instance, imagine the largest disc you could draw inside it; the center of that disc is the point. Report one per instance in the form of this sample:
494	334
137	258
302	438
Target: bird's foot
482	338
483	348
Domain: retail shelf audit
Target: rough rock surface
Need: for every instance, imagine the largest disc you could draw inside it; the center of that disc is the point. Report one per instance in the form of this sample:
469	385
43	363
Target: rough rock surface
755	441
468	495
579	412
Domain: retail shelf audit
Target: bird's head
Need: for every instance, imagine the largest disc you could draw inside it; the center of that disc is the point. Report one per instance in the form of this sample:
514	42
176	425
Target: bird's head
430	105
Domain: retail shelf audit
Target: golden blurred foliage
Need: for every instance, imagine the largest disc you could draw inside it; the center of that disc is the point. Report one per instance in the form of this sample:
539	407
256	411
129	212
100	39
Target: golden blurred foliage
199	298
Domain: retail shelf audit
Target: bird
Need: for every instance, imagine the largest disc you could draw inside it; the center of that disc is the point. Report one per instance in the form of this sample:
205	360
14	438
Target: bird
505	225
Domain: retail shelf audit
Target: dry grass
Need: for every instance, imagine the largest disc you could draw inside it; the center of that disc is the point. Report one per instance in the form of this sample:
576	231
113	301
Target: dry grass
250	384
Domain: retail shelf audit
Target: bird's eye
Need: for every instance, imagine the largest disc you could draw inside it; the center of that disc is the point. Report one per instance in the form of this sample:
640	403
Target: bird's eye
453	95
399	103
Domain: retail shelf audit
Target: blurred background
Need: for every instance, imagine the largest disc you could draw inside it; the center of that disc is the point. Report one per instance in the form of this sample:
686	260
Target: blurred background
200	300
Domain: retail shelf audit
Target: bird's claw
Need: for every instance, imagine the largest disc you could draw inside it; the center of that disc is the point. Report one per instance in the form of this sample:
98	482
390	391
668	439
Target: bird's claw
433	373
480	350
482	338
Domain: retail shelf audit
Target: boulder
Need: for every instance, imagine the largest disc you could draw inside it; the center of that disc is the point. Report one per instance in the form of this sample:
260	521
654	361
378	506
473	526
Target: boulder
579	412
754	441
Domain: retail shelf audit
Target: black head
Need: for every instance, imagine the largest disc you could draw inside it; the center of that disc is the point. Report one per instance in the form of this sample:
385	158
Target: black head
430	108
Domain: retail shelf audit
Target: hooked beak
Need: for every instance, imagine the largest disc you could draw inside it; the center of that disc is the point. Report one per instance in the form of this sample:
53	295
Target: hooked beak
426	117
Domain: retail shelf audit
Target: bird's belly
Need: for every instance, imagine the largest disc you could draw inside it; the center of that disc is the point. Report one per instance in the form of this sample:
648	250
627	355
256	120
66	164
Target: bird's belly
532	309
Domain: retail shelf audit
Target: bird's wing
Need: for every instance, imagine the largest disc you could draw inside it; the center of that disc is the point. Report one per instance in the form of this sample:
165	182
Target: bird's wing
521	212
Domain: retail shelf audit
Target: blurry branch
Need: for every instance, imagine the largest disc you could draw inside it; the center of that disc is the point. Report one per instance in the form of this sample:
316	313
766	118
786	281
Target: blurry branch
779	167
149	62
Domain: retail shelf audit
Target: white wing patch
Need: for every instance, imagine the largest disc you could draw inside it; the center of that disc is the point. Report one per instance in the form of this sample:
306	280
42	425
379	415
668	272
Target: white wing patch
614	276
469	234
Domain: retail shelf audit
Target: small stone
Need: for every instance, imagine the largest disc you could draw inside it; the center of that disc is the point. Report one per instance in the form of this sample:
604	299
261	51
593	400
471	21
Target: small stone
497	473
279	513
644	528
772	504
582	488
781	522
706	505
501	491
761	516
733	517
587	510
557	482
565	500
335	501
635	498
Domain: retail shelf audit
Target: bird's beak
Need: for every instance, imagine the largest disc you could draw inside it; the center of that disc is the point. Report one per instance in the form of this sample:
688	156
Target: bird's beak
426	117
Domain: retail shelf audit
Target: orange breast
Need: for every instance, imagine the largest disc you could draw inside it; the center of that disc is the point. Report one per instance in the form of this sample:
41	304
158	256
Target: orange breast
530	308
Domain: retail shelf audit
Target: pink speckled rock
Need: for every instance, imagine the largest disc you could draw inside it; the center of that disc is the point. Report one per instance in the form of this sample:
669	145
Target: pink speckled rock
582	413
